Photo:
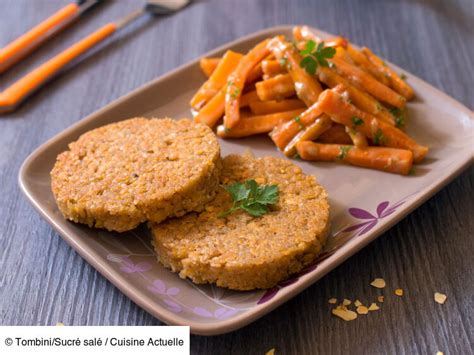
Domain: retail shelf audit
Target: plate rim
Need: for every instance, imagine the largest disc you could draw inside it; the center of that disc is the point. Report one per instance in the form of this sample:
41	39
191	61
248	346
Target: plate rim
224	326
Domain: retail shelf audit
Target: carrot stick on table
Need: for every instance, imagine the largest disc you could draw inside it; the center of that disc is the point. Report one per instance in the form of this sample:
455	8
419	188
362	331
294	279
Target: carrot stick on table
252	125
398	161
273	106
364	80
306	86
362	61
394	80
237	79
379	132
336	134
361	99
276	88
208	65
284	133
310	133
217	80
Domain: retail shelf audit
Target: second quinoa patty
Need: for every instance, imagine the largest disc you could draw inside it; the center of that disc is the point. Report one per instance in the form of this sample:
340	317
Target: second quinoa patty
242	252
122	174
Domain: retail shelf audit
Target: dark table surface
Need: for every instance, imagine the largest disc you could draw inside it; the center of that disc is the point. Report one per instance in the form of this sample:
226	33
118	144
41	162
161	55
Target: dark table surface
43	281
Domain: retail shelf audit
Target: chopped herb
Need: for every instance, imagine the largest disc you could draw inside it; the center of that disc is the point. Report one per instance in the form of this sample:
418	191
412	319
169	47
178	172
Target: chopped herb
251	198
412	171
378	137
349	101
399	116
384	64
403	76
283	62
357	121
298	120
314	55
296	156
343	152
230	83
235	93
379	106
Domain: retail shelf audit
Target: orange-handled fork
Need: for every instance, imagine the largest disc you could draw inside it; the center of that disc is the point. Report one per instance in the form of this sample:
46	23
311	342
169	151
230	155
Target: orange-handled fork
11	97
19	48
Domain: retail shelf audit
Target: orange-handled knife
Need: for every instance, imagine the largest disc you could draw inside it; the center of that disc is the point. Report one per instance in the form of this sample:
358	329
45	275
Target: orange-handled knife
19	48
11	97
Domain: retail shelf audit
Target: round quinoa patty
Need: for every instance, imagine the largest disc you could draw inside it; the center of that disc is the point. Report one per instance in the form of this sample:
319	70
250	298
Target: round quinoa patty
242	252
122	174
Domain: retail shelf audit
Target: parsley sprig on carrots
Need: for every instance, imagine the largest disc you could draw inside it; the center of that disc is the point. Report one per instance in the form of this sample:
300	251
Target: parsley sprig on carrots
315	55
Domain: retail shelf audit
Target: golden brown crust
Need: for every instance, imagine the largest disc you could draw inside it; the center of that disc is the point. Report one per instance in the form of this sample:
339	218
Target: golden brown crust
122	174
241	252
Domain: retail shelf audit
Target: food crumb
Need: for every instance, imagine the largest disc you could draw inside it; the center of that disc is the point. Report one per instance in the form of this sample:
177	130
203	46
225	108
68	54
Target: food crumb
59	324
440	297
362	310
270	352
332	300
399	292
374	307
346	302
378	283
344	313
358	303
381	299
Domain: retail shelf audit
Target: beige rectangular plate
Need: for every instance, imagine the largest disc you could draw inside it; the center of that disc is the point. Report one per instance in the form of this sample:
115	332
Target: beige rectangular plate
364	203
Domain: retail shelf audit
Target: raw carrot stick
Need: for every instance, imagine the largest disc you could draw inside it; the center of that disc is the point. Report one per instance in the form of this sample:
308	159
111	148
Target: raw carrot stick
361	60
271	68
336	134
310	133
256	124
276	88
364	80
361	99
394	80
284	133
306	86
379	132
212	111
236	81
208	65
217	80
264	107
249	98
397	161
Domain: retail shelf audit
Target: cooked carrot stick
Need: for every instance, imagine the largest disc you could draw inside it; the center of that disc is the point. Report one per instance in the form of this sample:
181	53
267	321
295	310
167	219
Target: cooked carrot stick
271	68
303	33
252	125
284	133
255	74
394	81
310	133
397	161
212	111
208	65
306	86
264	107
236	81
276	88
361	99
361	60
336	134
360	78
379	132
357	138
217	80
248	98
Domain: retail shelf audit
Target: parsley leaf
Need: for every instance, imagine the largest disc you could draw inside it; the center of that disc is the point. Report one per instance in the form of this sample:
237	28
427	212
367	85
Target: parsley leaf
315	55
357	121
251	197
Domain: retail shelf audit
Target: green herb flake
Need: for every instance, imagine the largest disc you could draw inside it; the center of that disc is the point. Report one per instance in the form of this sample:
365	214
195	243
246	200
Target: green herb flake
298	120
251	197
399	116
235	93
412	171
403	76
315	55
379	138
343	152
357	121
296	156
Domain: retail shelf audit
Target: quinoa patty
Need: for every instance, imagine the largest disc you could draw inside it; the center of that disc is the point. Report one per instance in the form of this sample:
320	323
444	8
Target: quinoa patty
122	174
242	252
